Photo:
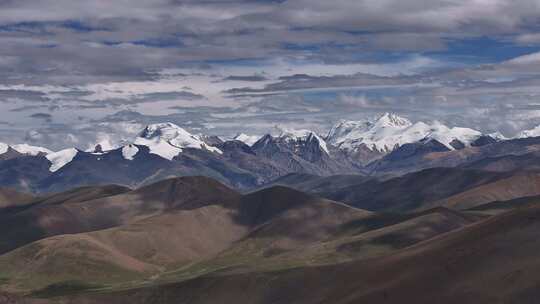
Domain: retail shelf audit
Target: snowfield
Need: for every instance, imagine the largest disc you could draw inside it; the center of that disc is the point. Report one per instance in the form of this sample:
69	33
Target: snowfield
391	131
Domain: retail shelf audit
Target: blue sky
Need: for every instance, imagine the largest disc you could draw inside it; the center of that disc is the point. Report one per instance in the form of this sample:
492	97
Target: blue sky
74	73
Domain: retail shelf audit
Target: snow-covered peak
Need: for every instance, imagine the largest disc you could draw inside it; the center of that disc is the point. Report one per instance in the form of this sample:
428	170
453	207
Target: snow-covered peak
534	132
347	130
3	148
497	136
304	136
247	139
392	120
294	134
350	135
167	140
31	150
441	133
24	149
391	131
61	158
163	131
129	151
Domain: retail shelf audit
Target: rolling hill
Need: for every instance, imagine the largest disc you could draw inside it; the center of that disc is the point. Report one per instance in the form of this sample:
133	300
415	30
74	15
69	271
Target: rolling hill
493	261
411	191
48	217
172	240
171	225
521	184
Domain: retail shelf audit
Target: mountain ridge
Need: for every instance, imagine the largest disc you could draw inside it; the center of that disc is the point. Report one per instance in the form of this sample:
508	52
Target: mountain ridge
166	150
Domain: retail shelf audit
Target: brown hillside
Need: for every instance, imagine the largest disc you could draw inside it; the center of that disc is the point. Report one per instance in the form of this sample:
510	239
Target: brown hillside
494	261
47	219
517	186
12	198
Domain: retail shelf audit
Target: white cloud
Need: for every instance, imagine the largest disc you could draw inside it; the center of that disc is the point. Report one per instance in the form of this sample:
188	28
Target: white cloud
528	39
533	58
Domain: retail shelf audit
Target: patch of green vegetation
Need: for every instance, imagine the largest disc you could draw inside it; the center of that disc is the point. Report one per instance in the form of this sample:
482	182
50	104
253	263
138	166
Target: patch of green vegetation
64	288
4	280
384	244
257	255
374	222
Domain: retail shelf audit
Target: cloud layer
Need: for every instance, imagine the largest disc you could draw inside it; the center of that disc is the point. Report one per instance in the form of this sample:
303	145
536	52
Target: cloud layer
76	73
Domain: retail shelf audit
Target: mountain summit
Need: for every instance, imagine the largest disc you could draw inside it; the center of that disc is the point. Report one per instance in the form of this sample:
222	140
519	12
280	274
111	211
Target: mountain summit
303	136
350	135
167	140
390	131
247	139
392	120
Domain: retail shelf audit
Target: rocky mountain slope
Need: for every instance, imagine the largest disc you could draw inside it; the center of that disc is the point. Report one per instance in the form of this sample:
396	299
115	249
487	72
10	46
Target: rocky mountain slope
389	145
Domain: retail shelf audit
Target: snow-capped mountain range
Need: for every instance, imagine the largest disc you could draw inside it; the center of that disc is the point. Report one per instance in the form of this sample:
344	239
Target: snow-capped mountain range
262	157
391	131
166	140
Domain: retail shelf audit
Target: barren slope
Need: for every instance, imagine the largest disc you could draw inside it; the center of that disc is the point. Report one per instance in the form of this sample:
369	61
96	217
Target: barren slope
11	198
66	217
517	186
494	261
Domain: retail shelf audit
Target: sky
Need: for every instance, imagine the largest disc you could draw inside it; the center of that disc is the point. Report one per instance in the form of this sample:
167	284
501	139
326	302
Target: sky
74	73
